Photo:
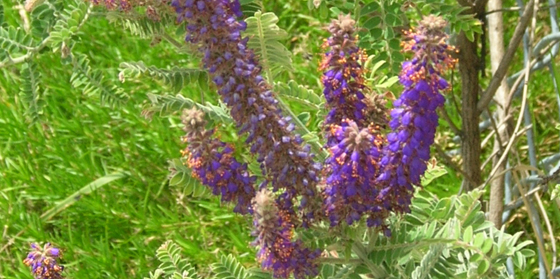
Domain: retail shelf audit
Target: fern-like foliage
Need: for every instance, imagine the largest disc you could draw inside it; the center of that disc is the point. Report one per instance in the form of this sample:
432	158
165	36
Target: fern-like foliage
264	38
440	238
69	21
139	24
338	272
14	42
173	265
256	273
229	268
170	104
299	94
181	177
177	78
31	91
91	82
45	16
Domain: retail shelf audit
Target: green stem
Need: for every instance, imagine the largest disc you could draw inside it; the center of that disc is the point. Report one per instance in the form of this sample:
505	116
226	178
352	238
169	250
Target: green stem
317	148
172	41
340	261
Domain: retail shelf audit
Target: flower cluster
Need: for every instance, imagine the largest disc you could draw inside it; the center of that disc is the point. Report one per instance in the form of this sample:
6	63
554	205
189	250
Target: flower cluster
212	162
343	79
277	249
287	165
414	118
353	169
352	126
42	261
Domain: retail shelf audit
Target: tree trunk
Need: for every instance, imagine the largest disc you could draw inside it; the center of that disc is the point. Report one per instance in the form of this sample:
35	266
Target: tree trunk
469	63
496	39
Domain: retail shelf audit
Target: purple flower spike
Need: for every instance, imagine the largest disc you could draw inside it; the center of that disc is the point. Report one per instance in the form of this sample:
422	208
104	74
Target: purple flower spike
213	27
212	163
414	118
343	79
352	170
43	261
352	126
278	251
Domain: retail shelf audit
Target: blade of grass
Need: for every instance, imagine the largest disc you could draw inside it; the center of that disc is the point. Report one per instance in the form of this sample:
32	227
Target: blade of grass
89	188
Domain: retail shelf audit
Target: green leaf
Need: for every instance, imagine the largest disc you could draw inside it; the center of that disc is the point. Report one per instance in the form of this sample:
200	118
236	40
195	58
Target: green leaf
370	8
31	91
433	172
76	196
264	38
475	258
91	82
343	272
372	22
392	20
483	266
140	25
176	77
67	25
487	246
428	262
297	93
181	177
14	41
384	84
43	18
304	117
229	268
172	262
467	235
170	104
257	273
1	14
376	33
327	270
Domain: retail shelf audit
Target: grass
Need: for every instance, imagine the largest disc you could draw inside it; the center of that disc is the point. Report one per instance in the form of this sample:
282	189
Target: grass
112	232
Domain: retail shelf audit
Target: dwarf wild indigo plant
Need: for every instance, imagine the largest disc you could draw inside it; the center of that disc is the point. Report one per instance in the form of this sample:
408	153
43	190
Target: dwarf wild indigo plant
212	162
414	118
43	261
287	165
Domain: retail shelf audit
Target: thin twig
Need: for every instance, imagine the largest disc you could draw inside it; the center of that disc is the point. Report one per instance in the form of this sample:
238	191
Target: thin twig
515	9
452	125
340	261
26	56
549	228
521	77
514	204
523	102
495	126
540	243
172	41
449	162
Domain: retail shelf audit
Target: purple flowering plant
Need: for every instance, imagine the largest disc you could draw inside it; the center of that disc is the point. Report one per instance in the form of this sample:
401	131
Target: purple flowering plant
331	200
